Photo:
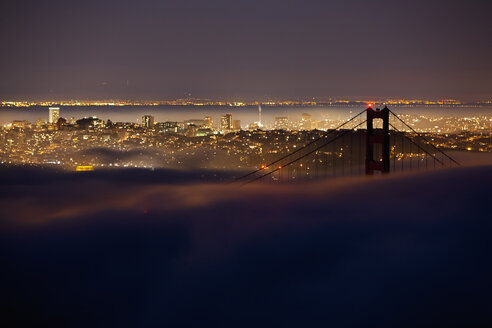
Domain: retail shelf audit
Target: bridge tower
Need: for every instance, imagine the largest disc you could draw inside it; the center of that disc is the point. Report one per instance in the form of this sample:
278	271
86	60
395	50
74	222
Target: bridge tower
377	136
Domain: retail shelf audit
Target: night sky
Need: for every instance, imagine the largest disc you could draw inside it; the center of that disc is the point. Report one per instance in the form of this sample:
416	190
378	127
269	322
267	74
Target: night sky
150	49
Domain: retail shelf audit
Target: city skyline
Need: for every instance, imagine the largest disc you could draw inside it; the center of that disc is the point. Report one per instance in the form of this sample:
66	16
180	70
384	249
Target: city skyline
87	143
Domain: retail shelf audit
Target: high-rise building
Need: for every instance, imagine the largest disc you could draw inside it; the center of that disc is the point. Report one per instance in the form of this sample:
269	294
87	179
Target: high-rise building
281	123
259	115
305	123
53	115
148	121
226	122
236	124
208	122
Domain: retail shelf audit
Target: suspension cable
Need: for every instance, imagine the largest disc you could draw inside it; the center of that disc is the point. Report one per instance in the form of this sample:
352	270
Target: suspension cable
428	142
401	133
324	135
303	156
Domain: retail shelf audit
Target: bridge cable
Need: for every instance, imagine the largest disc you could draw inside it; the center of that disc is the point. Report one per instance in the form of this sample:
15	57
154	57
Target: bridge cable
324	135
305	155
418	134
401	133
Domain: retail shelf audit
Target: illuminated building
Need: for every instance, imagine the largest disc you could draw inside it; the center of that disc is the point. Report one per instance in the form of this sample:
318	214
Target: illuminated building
181	127
204	132
167	126
191	130
281	123
208	122
20	124
259	115
87	123
254	126
53	115
148	121
305	123
197	122
236	124
226	122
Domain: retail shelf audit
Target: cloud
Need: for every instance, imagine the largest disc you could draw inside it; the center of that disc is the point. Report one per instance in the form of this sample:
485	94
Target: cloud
408	250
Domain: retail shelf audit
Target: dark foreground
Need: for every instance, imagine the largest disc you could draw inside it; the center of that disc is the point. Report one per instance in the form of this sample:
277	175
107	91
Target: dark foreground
406	251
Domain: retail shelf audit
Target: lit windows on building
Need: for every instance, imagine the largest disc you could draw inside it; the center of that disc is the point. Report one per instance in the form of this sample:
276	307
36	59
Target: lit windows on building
226	122
53	115
148	121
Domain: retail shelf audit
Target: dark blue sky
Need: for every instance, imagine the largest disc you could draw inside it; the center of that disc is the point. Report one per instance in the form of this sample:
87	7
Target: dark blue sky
245	49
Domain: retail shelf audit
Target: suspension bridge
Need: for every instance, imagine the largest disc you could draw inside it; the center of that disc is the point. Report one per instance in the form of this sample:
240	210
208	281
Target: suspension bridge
375	141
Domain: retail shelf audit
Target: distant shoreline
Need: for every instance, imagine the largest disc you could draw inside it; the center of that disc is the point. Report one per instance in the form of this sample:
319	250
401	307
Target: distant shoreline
253	107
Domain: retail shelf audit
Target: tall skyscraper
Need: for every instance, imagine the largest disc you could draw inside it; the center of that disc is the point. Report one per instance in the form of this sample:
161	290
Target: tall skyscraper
53	115
305	123
226	122
236	124
208	122
148	121
259	115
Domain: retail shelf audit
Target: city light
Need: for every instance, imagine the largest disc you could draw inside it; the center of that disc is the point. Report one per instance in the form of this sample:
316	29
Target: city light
74	143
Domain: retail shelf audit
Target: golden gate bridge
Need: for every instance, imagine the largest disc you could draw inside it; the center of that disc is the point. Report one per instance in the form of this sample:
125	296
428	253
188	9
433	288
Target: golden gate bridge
375	141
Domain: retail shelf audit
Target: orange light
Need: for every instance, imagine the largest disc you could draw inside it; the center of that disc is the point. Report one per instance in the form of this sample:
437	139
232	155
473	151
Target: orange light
369	105
263	166
280	167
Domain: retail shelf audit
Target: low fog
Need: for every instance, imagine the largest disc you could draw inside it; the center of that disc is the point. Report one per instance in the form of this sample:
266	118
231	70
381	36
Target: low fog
126	250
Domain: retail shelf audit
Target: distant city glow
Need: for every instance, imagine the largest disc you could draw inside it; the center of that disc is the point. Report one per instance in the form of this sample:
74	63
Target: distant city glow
90	142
